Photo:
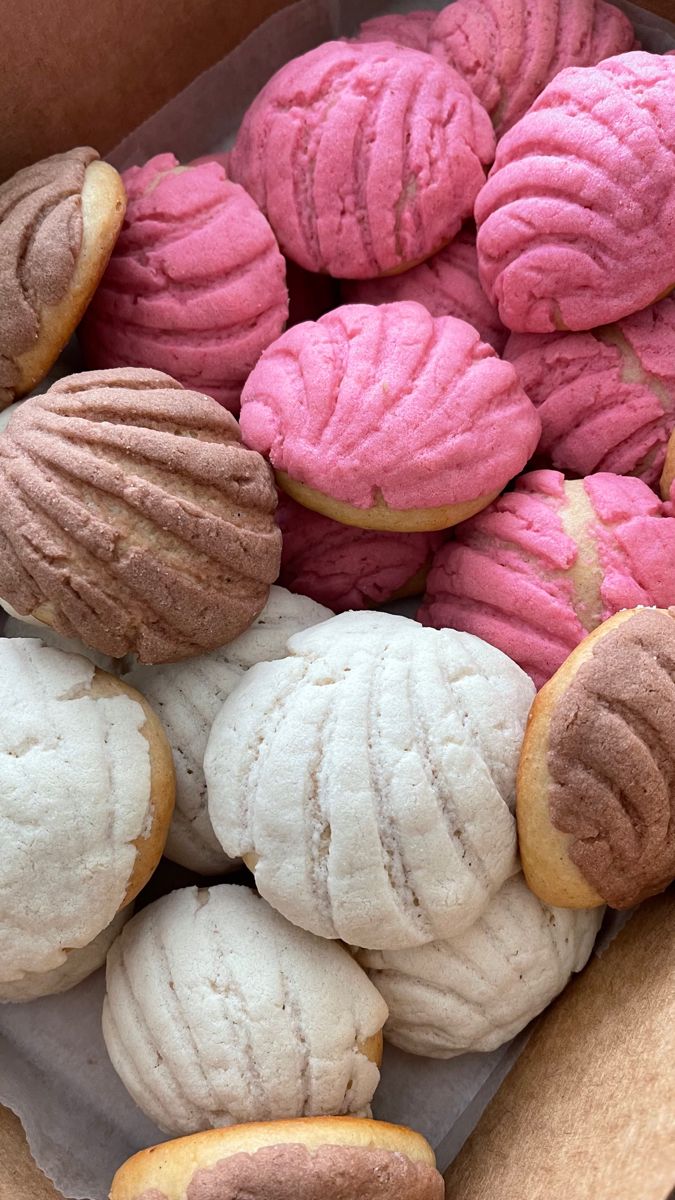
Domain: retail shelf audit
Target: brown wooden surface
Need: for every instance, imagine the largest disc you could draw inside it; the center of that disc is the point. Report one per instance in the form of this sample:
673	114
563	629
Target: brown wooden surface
588	1111
20	1179
88	71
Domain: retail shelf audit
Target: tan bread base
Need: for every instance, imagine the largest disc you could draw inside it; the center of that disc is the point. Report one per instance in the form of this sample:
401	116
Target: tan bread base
380	516
103	206
162	783
549	870
170	1166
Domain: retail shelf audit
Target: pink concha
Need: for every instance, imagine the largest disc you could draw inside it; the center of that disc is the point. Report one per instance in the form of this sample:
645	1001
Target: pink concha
196	283
576	220
389	400
446	284
508	50
405	29
546	563
347	568
606	398
366	158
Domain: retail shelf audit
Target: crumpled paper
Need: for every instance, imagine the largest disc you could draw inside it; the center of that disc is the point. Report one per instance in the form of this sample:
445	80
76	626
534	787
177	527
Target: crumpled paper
54	1071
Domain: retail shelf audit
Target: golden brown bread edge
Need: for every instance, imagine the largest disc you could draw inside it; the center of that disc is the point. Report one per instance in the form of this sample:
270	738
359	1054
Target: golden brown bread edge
162	782
548	868
169	1167
104	204
380	516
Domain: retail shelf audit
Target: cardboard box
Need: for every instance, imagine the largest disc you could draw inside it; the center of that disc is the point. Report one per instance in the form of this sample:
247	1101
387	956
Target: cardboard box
588	1112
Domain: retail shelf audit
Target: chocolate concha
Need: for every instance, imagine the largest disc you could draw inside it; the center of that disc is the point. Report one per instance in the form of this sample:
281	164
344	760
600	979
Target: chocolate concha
133	518
59	219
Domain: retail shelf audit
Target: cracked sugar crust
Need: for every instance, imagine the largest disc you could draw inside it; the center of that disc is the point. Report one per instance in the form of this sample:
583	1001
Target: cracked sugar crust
606	398
133	517
218	1011
576	218
368	778
349	568
188	696
76	777
478	990
292	1172
447	284
365	158
59	219
508	50
389	403
611	759
196	282
546	563
40	239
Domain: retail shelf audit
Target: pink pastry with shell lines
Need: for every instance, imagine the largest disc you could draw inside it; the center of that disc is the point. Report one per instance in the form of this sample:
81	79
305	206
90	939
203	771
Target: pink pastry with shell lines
577	220
384	413
196	283
508	50
366	158
346	568
446	284
606	398
548	562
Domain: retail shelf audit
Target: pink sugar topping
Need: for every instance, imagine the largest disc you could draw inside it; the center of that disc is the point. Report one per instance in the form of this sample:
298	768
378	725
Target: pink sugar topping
389	400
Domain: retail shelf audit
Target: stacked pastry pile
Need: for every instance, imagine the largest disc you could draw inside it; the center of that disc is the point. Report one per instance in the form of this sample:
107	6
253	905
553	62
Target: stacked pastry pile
480	410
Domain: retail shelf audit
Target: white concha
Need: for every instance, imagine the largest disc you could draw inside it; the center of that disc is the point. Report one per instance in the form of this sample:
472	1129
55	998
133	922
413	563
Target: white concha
188	696
284	615
476	991
369	778
76	780
219	1011
78	965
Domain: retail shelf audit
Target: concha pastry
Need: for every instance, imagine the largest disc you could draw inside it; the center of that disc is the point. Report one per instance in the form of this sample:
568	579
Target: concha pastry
59	219
87	789
365	158
405	29
447	284
388	418
350	568
188	696
478	990
575	221
549	561
218	1011
606	398
78	965
368	778
132	517
196	283
596	783
317	1158
508	50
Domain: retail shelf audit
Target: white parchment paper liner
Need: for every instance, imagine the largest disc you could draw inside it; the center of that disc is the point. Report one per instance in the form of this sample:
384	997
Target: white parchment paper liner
54	1070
